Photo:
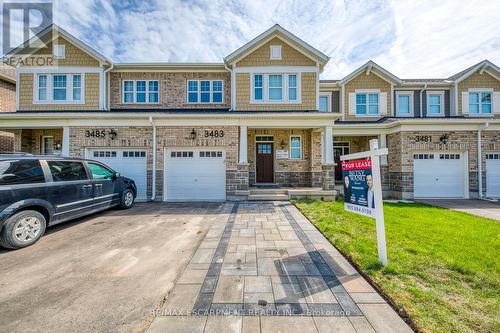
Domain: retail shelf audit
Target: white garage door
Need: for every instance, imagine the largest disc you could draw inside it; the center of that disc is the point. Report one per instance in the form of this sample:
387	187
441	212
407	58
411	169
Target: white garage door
439	175
493	175
130	163
195	175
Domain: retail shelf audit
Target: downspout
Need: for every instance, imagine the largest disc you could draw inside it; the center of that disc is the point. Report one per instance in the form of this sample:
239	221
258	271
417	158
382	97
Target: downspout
107	85
233	86
480	160
153	173
421	107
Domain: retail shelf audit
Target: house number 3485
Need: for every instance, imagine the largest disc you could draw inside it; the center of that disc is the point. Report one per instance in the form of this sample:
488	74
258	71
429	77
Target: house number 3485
214	134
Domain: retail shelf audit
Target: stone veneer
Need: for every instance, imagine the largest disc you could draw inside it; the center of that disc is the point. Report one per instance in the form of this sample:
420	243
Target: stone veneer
402	146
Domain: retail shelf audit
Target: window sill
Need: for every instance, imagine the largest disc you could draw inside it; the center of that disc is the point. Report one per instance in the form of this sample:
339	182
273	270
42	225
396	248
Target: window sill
58	102
434	115
368	115
275	102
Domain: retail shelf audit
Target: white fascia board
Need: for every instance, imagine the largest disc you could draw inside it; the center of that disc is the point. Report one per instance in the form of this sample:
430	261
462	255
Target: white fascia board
361	69
487	64
261	39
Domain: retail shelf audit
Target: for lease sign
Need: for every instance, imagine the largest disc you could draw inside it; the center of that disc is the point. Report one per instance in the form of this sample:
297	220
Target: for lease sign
358	187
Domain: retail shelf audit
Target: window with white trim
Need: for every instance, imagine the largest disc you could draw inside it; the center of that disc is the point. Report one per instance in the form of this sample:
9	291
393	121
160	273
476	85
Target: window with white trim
42	87
435	103
205	91
325	104
59	51
404	104
275	88
275	52
480	102
140	91
59	89
367	104
295	147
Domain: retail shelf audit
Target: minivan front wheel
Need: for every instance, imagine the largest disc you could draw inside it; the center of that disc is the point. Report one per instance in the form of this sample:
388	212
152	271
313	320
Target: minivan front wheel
127	199
22	229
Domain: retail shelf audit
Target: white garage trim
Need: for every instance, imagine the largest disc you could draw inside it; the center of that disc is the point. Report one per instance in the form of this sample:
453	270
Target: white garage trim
429	169
117	158
493	174
194	174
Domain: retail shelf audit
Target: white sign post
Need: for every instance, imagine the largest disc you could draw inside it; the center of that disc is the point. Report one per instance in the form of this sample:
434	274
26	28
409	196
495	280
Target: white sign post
363	201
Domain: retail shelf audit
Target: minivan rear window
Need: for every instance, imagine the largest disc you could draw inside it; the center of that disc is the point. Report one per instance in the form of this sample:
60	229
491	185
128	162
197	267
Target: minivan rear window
65	171
21	172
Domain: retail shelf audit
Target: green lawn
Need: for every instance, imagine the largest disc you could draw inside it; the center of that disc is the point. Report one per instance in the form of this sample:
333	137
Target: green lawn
444	266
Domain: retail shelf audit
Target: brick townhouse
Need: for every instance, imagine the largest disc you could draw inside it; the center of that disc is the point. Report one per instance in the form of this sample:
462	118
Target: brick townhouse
7	103
260	118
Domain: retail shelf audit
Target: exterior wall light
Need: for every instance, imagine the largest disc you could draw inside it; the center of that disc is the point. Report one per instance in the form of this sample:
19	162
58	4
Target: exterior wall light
193	134
443	138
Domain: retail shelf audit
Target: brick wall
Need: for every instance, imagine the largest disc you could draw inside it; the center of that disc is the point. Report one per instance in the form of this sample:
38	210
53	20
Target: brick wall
363	81
6	142
308	92
290	172
172	86
476	80
7	96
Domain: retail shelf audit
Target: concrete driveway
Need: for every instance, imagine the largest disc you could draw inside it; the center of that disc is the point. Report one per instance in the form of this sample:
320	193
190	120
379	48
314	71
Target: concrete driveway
483	208
103	273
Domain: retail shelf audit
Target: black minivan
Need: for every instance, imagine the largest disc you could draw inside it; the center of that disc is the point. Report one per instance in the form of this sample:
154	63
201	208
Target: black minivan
38	191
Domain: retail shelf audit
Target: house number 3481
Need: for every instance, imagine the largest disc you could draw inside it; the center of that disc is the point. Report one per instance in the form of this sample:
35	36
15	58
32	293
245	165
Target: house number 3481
214	134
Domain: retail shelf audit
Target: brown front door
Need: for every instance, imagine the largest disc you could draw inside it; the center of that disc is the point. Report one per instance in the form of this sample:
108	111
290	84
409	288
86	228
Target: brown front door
264	160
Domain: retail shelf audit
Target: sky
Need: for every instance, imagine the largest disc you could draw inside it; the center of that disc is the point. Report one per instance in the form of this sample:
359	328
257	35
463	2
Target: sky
411	39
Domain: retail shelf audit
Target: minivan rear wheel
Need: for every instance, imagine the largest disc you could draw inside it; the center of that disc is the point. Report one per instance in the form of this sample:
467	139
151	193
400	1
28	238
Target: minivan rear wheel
127	199
22	229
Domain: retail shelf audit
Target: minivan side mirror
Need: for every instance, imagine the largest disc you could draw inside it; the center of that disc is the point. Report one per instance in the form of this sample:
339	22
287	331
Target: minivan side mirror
116	175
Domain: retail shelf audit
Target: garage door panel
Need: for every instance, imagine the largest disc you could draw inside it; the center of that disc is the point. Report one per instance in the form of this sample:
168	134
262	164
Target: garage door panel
493	175
195	175
439	175
130	163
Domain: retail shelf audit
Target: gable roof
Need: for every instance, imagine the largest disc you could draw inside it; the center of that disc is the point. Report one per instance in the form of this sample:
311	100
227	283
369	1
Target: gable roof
283	34
58	31
462	75
369	66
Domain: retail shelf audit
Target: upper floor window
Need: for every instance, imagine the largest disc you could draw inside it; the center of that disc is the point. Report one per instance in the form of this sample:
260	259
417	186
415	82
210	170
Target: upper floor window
435	103
324	102
205	91
140	91
404	104
275	88
367	104
480	102
275	51
58	88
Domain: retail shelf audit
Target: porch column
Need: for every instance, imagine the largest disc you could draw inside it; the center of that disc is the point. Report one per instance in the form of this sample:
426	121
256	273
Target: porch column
382	143
65	141
328	145
243	145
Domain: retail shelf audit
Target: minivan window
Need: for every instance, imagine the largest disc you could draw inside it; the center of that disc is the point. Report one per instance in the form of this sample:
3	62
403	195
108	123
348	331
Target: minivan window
100	172
65	171
21	172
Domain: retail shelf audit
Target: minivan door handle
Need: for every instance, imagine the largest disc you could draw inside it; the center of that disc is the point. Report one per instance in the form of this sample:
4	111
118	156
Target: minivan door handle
87	187
98	185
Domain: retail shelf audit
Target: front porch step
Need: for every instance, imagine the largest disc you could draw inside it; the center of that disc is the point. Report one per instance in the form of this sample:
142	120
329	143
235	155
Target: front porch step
268	197
271	191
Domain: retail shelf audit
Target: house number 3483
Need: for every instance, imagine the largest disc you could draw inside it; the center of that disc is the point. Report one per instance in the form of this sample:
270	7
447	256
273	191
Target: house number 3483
214	134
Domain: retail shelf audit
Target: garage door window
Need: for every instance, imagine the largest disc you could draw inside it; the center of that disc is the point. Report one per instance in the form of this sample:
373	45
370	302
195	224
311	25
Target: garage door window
210	154
449	156
181	154
423	156
132	154
104	153
493	156
64	171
